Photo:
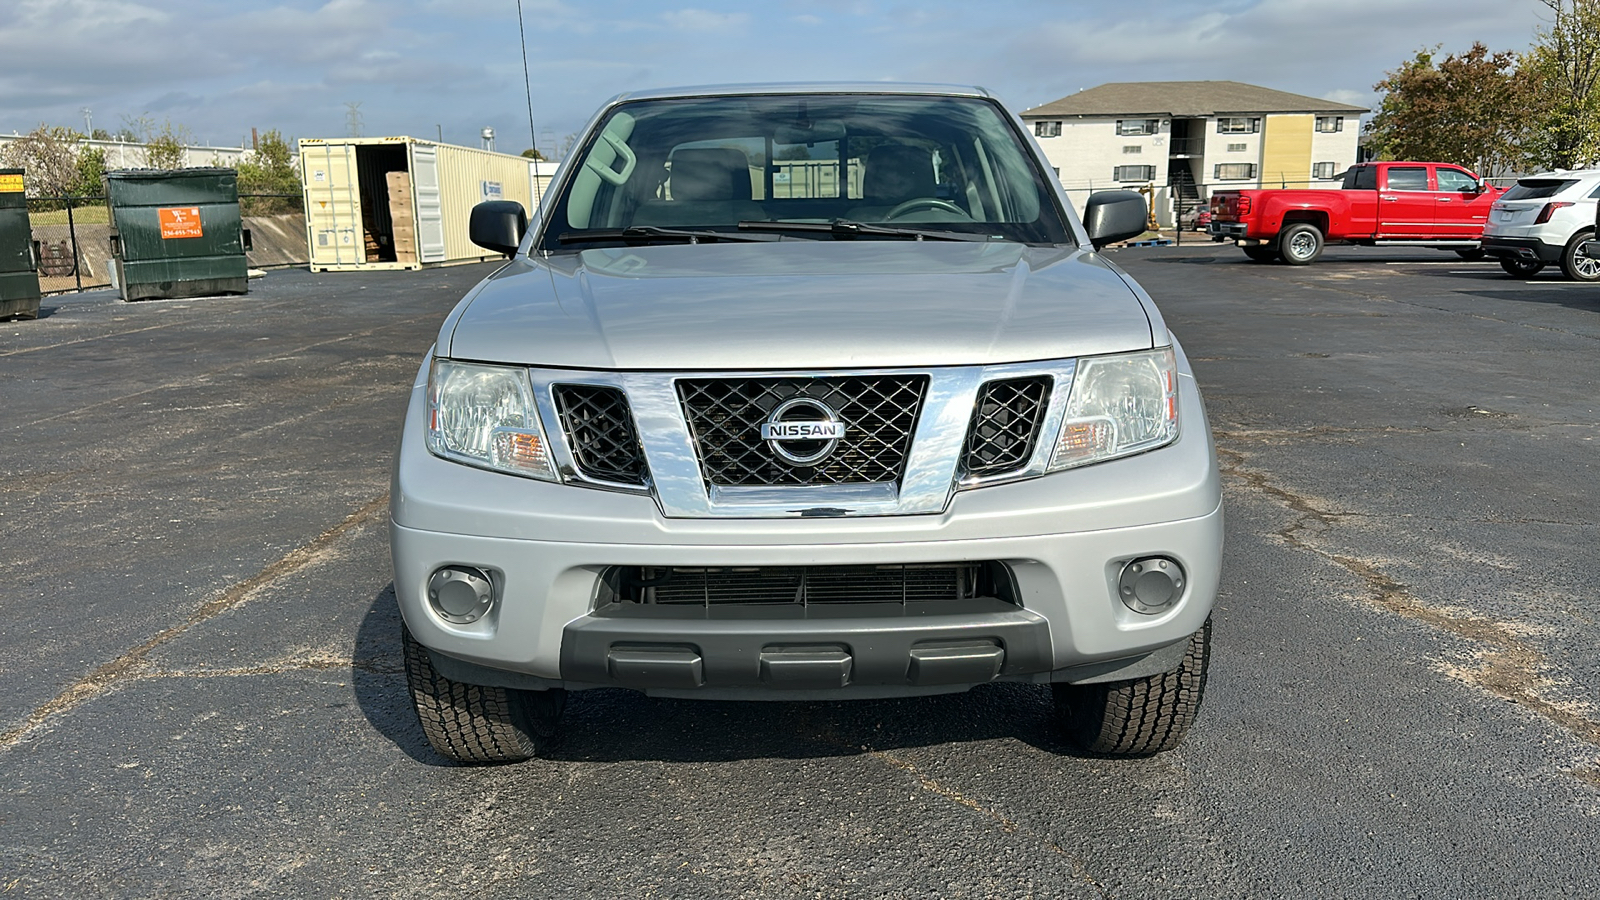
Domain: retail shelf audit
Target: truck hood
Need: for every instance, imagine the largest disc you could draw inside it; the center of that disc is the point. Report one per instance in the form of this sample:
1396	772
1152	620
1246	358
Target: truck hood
800	304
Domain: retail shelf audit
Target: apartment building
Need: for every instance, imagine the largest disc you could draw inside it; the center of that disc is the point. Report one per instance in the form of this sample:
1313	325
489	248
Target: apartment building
1180	140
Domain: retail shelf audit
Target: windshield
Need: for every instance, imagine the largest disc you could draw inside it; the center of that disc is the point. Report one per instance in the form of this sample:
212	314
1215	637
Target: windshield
913	164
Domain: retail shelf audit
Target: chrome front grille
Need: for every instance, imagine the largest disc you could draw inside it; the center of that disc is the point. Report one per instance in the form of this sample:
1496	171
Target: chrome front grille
805	585
1005	425
725	415
600	431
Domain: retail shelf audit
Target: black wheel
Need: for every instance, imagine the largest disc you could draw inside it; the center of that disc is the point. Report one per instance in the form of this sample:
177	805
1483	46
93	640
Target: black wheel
1473	255
1138	717
1576	263
1261	254
1522	268
1300	244
471	723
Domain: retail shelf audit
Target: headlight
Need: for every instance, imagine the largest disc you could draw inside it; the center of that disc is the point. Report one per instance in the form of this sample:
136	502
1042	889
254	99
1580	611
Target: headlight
485	416
1119	405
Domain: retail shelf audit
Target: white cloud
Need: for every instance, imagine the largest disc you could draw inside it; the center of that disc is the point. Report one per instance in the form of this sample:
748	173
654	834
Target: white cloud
704	20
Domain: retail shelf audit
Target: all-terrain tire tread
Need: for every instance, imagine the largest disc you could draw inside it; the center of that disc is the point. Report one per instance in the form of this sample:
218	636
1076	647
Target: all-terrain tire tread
1142	716
468	723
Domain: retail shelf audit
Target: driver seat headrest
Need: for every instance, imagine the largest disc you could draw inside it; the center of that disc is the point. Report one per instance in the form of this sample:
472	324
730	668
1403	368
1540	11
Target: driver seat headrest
898	172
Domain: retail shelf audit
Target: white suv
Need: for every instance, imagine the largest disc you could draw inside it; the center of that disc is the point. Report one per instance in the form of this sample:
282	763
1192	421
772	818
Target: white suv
1546	219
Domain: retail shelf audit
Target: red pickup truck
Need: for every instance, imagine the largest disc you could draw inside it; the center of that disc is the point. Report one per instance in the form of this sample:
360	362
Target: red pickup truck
1414	204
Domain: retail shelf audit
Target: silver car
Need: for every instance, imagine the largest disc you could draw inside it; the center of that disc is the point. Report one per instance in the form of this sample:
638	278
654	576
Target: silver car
1546	219
805	392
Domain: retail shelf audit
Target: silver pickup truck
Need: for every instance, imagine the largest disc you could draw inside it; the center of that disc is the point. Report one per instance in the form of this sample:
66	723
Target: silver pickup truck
805	392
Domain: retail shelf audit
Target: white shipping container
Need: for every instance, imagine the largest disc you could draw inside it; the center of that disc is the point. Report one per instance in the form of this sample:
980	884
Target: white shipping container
358	217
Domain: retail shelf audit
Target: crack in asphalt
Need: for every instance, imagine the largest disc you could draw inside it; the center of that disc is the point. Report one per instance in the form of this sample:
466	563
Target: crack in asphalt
83	340
940	789
316	664
202	377
1509	666
934	786
132	665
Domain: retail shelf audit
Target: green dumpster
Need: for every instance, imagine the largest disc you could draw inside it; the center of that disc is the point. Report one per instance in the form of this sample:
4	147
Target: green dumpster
19	274
176	233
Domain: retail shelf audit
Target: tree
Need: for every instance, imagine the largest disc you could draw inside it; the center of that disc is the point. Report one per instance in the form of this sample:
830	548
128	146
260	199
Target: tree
1468	109
1564	70
50	154
91	173
532	153
164	149
270	170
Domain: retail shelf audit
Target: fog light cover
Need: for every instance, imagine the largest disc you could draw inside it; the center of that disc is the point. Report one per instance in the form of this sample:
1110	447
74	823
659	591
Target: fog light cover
1151	585
460	594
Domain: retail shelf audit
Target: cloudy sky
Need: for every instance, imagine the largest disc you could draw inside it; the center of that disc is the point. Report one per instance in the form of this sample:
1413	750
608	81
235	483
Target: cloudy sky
221	67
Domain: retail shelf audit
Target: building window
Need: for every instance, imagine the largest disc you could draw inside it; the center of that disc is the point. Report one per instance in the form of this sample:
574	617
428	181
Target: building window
1042	128
1325	170
1330	124
1238	125
1134	173
1132	148
1138	126
1235	171
1237	148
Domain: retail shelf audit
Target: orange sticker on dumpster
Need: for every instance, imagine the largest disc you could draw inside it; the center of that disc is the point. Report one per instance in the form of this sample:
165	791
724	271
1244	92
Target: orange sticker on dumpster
180	222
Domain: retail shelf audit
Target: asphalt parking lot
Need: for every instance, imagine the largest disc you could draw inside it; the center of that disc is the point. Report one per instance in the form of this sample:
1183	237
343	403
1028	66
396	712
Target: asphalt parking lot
203	695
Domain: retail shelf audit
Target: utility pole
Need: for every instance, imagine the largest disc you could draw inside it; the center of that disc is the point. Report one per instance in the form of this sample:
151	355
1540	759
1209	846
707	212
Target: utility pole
88	122
352	117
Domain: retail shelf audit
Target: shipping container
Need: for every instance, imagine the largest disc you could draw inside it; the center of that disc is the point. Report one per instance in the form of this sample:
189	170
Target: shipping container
404	203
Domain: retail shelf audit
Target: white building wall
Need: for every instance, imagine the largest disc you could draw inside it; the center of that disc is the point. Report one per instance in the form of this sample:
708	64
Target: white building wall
1089	151
1340	148
1222	149
125	155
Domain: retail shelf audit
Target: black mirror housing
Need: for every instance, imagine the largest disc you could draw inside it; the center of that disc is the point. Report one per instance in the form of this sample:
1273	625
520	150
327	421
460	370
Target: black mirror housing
1112	216
498	225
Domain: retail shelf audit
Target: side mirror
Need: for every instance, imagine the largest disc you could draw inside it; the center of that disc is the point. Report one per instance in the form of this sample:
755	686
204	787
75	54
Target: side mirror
1112	216
498	225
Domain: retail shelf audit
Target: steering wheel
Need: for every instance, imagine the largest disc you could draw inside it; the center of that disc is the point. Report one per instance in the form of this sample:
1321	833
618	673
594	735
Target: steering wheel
925	203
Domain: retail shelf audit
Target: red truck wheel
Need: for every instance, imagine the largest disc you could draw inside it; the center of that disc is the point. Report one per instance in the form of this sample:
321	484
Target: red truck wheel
1300	244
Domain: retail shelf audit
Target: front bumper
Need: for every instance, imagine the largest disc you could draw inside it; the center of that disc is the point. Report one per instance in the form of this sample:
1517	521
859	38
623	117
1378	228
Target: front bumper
1528	249
1063	537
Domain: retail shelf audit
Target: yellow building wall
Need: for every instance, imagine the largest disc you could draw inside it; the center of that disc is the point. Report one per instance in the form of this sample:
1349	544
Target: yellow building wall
1286	150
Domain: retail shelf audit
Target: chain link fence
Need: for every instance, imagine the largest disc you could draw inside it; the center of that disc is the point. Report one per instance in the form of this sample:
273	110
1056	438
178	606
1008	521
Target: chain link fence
72	237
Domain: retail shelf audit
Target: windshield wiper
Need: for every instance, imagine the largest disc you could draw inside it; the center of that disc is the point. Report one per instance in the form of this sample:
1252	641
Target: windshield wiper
847	229
655	233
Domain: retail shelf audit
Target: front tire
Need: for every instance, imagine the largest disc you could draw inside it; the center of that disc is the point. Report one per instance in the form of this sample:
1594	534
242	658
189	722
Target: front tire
474	724
1139	717
1521	268
1300	244
1576	263
1261	254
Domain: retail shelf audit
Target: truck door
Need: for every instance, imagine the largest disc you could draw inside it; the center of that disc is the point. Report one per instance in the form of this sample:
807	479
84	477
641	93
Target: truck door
1461	209
1405	203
